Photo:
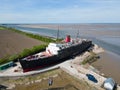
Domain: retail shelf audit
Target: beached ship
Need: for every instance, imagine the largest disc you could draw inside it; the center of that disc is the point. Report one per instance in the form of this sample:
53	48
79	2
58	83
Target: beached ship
55	53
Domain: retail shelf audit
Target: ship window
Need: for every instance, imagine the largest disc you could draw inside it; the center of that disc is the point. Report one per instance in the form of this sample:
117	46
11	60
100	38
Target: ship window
60	47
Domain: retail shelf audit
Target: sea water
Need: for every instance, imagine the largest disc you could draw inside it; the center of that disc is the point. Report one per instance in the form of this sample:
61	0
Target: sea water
105	35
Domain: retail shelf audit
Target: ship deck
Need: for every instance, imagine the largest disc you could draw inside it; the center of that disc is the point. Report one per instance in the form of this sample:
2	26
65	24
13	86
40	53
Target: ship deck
37	56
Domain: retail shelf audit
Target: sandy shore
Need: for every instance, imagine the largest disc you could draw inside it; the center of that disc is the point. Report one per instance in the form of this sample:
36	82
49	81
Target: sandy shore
13	43
109	64
83	28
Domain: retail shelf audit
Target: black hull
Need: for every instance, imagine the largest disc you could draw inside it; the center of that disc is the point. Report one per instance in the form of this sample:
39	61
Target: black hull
62	56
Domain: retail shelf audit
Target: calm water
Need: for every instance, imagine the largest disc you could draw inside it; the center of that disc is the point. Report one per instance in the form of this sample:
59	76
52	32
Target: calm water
105	35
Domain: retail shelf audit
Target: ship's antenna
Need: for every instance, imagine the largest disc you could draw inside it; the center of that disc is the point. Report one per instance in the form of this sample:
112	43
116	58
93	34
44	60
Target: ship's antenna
77	34
58	33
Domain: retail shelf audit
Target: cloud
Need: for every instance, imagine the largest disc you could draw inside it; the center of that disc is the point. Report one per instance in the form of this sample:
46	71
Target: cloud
60	11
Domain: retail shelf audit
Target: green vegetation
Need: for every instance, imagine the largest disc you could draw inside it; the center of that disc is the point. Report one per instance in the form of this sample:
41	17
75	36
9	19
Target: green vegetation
26	52
35	36
93	57
2	28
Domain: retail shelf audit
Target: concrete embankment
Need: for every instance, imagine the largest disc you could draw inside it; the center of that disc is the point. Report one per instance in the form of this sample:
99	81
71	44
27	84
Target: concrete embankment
11	71
80	73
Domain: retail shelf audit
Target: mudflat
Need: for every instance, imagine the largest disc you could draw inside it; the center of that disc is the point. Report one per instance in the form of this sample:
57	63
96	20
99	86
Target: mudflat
13	43
109	64
84	29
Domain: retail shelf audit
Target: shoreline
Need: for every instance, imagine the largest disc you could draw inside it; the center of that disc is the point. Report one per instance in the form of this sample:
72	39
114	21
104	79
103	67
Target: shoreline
85	30
107	66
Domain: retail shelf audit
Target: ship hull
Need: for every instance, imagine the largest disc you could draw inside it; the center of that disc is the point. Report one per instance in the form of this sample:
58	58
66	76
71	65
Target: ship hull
62	56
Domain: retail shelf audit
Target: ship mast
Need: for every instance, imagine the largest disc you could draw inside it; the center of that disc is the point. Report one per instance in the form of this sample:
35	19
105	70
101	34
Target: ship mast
77	34
58	33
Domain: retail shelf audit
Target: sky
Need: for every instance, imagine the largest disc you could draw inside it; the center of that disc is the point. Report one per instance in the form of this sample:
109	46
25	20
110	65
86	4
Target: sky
59	11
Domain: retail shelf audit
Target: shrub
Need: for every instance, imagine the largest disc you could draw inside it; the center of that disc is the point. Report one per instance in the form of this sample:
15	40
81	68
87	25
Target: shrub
24	53
90	59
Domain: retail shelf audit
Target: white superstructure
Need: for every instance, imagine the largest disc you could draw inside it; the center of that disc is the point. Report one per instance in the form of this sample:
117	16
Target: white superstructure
53	48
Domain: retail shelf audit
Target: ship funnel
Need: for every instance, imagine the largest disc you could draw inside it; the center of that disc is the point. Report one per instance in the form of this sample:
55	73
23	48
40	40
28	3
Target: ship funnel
67	39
